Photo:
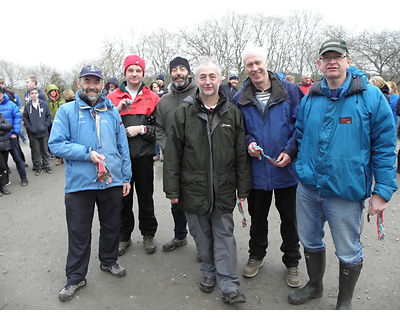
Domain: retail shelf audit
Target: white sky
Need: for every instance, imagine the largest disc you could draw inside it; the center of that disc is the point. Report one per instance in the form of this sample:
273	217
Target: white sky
63	33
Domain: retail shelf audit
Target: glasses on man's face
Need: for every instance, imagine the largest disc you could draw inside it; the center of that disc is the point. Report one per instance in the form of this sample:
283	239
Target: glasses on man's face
336	58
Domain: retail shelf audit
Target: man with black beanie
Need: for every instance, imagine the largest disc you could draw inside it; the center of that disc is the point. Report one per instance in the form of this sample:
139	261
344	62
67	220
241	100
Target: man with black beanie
182	86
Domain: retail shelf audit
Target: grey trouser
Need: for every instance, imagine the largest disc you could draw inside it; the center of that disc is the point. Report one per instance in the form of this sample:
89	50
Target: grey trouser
216	246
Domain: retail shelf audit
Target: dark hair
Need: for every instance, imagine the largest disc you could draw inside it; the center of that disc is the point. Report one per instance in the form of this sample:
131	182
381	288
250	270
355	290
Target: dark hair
33	88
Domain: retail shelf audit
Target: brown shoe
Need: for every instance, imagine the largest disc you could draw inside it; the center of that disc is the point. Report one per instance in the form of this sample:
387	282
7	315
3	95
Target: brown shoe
60	162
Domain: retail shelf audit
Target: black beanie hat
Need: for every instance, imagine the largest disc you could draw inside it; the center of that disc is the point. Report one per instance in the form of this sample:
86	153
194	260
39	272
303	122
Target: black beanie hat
179	61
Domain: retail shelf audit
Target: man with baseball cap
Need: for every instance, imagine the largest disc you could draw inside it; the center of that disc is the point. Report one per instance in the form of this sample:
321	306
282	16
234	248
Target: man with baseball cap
97	172
136	104
336	178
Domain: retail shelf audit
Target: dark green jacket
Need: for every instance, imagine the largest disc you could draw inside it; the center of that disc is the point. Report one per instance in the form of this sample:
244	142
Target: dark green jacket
206	159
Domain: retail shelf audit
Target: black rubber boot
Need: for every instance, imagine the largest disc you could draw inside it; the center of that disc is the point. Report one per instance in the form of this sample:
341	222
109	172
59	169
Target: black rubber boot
3	181
315	262
348	277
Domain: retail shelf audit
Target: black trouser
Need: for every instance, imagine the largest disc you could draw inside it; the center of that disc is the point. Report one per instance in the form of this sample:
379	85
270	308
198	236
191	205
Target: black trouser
143	182
259	203
180	222
79	212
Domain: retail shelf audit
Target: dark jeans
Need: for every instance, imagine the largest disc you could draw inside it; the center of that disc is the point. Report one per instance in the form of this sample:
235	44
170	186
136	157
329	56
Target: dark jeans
259	203
18	156
79	213
40	152
143	182
180	229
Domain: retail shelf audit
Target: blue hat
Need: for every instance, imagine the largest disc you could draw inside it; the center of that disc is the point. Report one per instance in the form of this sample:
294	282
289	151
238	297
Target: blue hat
91	71
160	77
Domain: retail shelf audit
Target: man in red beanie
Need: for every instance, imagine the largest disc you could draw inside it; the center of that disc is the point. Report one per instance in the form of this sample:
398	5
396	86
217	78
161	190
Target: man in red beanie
137	106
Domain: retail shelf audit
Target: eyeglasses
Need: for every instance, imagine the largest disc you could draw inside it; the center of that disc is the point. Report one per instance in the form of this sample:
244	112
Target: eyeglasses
336	58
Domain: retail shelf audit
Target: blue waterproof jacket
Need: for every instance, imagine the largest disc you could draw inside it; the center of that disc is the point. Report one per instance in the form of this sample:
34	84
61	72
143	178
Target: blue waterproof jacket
12	114
345	142
74	135
273	130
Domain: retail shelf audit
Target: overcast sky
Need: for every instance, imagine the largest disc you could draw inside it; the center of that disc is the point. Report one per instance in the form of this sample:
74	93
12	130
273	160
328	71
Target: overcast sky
62	35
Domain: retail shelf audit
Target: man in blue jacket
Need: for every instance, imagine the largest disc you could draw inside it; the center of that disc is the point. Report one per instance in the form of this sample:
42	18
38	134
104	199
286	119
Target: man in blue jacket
347	139
269	105
89	135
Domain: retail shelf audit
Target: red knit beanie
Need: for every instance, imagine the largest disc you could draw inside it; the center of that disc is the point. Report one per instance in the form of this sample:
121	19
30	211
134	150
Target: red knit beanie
134	60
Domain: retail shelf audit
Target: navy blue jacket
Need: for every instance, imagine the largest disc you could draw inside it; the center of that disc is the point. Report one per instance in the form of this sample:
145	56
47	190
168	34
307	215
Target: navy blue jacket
273	130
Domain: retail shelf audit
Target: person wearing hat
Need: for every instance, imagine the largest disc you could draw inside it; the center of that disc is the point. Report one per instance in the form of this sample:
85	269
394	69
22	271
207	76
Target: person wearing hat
89	135
231	88
182	86
161	82
335	178
137	106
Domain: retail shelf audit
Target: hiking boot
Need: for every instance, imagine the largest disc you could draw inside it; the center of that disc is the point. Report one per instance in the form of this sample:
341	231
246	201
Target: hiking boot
68	291
293	278
24	181
174	243
123	245
251	268
48	170
233	297
116	270
149	244
208	284
38	171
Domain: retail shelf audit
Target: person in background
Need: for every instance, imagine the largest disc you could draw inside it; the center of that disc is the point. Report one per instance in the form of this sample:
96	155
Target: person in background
306	84
88	134
336	178
54	100
37	120
111	85
69	95
393	98
161	82
11	113
136	104
205	164
5	146
229	89
269	106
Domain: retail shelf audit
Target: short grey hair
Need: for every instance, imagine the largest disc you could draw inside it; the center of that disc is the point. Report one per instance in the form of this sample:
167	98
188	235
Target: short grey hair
204	61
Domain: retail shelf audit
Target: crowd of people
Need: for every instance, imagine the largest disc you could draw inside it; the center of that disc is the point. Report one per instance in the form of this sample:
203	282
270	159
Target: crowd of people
269	139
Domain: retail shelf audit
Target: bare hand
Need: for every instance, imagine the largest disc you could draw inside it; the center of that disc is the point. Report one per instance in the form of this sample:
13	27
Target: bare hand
96	157
376	204
133	131
283	160
126	188
253	153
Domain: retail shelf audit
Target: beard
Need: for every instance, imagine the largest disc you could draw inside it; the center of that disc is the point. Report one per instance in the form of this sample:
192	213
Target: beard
180	84
90	98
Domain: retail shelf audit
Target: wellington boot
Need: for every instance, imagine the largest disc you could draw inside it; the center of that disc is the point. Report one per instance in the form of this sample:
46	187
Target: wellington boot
348	277
315	262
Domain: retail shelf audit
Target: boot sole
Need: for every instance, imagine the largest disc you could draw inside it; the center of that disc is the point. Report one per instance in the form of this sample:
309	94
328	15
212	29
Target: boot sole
317	295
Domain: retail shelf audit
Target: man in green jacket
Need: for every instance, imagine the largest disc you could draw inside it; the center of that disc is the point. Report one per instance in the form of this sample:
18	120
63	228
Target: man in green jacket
205	164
